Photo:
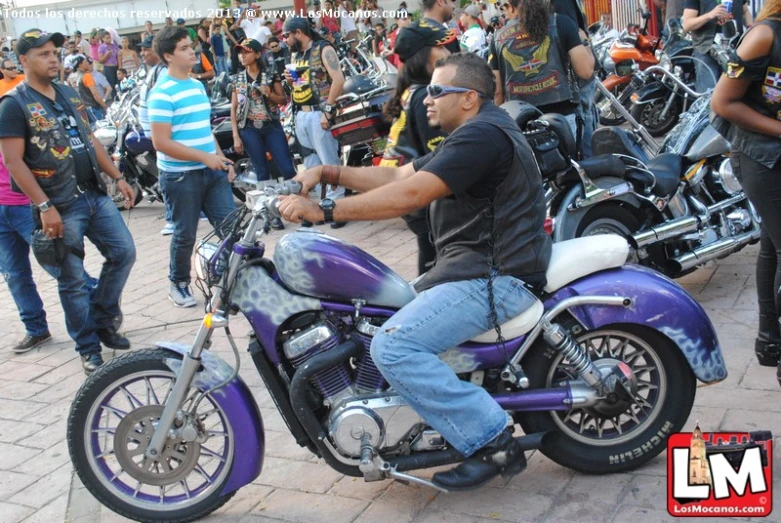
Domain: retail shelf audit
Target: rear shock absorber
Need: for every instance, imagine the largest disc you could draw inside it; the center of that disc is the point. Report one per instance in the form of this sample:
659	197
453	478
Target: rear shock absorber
558	338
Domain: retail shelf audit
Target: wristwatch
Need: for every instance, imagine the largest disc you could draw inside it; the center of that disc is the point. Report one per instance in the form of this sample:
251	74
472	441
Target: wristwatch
329	109
328	206
45	206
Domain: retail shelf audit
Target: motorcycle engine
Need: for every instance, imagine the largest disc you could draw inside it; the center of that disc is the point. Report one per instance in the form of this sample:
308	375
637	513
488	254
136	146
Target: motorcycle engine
725	178
362	408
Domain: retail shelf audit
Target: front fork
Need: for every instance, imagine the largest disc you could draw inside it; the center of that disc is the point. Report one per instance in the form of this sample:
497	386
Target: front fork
192	361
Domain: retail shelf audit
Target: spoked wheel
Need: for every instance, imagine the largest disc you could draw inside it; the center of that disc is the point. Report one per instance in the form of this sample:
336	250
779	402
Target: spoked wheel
609	115
650	116
111	425
618	433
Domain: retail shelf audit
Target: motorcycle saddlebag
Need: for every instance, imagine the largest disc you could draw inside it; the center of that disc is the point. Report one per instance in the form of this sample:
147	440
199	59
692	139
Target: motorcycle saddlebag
361	122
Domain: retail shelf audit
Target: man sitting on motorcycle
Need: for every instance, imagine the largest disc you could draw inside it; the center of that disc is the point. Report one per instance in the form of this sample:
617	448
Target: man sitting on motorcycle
487	224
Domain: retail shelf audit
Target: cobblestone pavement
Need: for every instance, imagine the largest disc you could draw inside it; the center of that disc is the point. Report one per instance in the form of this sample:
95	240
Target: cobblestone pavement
37	483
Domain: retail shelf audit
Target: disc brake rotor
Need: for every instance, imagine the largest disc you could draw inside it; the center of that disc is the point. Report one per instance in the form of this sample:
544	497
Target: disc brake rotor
131	440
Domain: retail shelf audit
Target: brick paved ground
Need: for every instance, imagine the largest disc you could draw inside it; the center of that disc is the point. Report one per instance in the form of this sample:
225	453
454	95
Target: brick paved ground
37	484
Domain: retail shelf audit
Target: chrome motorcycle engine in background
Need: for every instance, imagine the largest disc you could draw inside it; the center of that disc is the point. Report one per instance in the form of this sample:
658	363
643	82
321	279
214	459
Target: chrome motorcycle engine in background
363	410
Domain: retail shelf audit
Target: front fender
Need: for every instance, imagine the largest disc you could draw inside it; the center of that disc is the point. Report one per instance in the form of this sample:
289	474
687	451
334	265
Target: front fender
239	406
658	303
650	92
567	221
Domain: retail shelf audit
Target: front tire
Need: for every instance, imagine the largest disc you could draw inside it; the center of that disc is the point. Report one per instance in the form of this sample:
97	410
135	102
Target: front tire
649	116
110	423
588	439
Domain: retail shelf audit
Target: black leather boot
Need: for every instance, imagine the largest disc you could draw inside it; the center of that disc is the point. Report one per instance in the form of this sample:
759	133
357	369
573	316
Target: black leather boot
768	344
90	362
503	456
112	339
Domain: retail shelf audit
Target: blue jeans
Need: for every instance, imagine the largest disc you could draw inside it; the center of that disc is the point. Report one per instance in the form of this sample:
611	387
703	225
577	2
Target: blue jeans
407	346
186	194
95	114
324	145
220	65
269	138
94	215
588	111
704	65
16	228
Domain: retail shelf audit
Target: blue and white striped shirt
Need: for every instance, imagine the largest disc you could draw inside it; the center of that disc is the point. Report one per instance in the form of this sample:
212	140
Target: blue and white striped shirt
184	105
153	75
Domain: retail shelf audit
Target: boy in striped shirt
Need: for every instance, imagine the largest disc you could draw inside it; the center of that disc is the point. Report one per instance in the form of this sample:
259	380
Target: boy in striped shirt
193	171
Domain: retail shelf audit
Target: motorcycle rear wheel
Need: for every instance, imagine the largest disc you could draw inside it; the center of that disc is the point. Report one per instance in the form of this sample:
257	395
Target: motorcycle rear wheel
594	440
186	483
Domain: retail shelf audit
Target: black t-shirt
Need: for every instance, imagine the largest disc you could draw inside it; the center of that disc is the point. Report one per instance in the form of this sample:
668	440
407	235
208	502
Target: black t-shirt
474	160
706	6
570	9
15	126
411	136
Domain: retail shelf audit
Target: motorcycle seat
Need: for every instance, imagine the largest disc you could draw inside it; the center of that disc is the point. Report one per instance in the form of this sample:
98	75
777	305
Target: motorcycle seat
223	109
570	260
667	170
573	259
605	165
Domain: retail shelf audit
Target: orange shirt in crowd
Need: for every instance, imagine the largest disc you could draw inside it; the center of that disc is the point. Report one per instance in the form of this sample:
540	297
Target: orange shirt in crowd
7	84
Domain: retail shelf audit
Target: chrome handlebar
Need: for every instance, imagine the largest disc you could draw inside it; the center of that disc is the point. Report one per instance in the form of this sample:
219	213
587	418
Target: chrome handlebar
675	79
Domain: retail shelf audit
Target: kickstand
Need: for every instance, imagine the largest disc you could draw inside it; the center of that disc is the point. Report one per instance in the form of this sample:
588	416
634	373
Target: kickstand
409	480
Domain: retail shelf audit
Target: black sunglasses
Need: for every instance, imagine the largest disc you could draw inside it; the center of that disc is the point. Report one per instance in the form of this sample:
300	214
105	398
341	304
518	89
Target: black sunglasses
437	91
12	68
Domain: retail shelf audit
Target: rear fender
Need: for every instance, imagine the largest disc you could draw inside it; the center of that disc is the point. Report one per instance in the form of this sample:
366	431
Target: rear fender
240	408
658	303
567	221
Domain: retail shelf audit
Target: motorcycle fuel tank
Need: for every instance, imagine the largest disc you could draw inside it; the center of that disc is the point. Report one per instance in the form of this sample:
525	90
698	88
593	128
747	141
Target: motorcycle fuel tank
314	264
138	143
709	143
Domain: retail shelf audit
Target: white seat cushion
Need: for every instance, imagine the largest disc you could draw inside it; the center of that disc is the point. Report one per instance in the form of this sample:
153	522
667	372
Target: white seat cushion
517	326
573	259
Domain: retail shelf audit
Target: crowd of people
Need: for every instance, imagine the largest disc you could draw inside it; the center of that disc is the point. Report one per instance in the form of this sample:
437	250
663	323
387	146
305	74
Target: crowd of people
481	222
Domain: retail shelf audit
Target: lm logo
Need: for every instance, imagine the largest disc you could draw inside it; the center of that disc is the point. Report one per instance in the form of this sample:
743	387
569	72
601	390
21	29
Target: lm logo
719	474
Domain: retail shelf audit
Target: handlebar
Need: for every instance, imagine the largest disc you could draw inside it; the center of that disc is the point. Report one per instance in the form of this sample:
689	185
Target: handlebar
671	76
260	201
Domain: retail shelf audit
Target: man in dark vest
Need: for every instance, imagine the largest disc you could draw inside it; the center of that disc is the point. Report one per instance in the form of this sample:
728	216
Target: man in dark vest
50	152
486	221
319	83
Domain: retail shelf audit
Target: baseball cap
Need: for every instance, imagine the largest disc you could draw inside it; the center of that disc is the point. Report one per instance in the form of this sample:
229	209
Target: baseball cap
472	10
33	38
77	60
147	43
180	20
76	33
297	22
419	35
250	44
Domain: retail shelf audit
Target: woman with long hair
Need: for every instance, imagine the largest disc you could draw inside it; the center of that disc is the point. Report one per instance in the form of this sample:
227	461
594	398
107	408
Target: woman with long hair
536	60
748	101
257	95
128	58
418	47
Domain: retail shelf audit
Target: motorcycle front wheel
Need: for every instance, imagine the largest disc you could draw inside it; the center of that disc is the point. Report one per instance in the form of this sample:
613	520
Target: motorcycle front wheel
649	115
617	434
608	115
111	422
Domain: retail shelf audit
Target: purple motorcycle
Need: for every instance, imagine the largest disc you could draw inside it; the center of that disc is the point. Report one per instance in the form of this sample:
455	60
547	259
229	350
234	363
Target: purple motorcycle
598	373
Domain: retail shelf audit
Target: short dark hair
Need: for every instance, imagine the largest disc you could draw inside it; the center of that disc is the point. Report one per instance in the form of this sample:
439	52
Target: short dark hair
472	72
167	40
123	71
427	4
273	40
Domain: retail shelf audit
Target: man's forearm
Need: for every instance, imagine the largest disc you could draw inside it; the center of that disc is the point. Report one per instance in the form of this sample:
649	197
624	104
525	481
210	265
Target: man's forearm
377	205
695	23
364	179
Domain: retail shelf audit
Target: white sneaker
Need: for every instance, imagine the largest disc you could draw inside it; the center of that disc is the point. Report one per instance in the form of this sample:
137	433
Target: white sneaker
203	217
179	293
168	229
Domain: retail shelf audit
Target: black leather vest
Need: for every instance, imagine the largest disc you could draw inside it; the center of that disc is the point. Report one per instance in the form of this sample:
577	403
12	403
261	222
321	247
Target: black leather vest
506	232
48	156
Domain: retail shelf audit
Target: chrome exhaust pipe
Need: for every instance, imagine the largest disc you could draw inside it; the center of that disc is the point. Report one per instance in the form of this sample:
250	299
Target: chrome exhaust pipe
711	251
665	231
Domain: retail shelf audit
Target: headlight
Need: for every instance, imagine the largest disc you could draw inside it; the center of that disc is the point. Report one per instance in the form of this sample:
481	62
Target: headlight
106	135
666	63
609	65
207	267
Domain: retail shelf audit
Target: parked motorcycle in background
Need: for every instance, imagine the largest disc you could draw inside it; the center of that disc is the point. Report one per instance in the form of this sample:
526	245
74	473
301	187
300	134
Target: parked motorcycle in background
656	101
633	51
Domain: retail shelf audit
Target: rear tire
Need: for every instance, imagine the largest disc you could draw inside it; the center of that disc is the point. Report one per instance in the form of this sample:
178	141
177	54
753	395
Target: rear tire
575	441
98	400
